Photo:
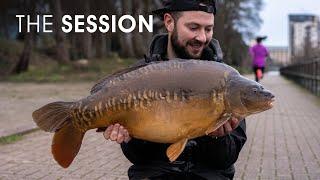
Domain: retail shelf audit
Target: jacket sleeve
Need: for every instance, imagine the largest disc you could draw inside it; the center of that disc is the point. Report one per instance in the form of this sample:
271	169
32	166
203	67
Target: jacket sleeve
222	152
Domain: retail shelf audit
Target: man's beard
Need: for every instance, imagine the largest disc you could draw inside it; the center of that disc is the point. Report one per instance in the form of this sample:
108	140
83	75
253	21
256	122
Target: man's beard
180	50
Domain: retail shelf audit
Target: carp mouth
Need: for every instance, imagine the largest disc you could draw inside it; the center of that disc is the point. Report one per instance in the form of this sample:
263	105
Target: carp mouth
255	106
271	102
266	105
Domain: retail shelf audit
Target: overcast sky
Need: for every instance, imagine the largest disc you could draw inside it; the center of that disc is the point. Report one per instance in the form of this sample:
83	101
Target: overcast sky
275	18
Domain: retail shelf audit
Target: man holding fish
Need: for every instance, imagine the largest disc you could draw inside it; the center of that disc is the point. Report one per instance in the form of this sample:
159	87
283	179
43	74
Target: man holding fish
189	24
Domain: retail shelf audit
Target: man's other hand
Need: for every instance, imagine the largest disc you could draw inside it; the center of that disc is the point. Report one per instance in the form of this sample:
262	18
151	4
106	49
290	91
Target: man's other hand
117	133
226	128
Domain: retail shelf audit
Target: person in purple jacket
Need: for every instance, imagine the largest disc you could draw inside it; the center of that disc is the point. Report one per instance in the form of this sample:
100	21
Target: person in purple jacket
259	53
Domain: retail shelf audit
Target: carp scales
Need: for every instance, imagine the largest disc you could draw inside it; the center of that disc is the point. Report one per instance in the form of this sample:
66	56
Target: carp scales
164	102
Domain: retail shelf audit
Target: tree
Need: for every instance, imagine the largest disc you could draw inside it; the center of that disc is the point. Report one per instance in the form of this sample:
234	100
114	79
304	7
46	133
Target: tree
61	50
236	22
126	44
102	41
24	59
87	38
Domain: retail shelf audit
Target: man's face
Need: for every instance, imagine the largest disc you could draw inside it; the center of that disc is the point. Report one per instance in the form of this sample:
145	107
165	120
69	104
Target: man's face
192	33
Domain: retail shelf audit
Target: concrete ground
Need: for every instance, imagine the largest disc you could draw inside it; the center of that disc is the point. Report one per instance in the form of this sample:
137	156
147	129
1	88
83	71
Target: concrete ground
19	100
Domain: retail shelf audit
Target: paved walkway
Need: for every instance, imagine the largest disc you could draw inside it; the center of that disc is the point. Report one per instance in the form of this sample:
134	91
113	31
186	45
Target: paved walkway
283	143
19	100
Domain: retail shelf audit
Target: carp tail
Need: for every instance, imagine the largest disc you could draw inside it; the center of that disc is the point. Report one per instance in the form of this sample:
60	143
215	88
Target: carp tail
66	144
56	117
53	116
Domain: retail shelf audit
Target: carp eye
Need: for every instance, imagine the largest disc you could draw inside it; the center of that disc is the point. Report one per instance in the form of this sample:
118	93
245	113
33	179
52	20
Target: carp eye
255	90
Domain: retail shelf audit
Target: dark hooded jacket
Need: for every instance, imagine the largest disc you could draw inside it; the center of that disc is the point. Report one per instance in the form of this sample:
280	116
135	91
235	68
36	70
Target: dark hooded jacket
201	154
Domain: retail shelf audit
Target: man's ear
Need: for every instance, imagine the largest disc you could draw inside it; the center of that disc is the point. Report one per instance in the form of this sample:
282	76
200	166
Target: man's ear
168	22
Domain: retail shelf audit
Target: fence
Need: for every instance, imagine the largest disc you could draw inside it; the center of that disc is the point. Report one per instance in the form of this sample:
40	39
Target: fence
306	74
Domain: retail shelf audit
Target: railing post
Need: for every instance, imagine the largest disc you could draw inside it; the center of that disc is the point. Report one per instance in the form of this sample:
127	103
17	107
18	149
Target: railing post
317	71
306	74
314	83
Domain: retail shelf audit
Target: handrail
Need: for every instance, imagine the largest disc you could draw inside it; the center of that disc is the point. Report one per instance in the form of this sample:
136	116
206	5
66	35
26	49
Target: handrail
306	73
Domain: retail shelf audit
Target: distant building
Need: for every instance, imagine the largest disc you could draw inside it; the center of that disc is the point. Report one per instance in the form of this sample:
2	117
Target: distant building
304	34
279	55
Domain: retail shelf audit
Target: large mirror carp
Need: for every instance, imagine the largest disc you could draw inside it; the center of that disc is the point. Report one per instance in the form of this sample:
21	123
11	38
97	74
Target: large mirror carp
165	102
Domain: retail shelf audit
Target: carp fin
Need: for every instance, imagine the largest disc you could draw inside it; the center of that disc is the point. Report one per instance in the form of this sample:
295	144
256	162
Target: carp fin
221	121
211	129
66	144
53	116
174	150
104	81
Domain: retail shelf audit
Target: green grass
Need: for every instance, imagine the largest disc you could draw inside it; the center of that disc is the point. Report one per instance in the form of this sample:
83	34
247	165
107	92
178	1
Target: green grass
96	69
10	139
43	68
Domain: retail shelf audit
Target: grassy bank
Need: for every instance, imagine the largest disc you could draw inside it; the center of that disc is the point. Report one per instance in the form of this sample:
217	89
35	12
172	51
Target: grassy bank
10	139
53	72
43	68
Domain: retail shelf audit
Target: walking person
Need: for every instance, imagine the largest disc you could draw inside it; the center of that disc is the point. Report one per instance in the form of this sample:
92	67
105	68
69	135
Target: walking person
259	53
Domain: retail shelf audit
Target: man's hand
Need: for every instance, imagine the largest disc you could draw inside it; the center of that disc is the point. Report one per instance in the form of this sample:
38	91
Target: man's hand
117	133
226	128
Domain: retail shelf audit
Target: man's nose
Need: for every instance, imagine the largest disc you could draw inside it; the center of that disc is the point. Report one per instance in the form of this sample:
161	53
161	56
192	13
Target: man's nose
201	36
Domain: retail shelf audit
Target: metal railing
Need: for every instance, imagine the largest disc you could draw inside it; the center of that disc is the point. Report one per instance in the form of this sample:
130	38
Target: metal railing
305	73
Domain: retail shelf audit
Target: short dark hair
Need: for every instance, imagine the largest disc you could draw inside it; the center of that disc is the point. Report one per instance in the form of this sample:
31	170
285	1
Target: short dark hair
176	15
260	39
